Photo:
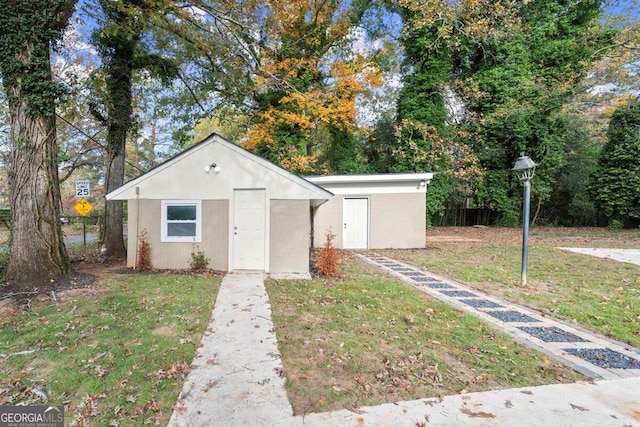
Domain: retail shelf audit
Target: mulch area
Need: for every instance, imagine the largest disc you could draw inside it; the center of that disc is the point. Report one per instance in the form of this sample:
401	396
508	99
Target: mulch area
25	291
84	274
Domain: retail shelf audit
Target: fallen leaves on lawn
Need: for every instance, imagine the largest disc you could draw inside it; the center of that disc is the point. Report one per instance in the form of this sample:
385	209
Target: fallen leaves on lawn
90	409
100	371
402	373
176	370
23	395
15	380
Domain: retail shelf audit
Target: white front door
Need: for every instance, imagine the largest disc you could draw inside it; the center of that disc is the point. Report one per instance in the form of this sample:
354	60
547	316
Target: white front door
355	217
249	236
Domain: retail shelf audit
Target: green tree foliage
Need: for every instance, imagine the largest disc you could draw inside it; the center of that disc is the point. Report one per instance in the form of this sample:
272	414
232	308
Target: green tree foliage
344	153
217	45
30	29
381	143
287	65
615	184
509	67
424	139
422	100
120	43
428	72
307	82
520	84
569	202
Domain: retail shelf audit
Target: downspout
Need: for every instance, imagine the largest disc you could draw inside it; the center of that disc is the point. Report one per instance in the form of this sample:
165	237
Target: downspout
313	215
135	257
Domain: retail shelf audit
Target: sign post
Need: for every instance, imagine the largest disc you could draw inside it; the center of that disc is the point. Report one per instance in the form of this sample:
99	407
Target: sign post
83	207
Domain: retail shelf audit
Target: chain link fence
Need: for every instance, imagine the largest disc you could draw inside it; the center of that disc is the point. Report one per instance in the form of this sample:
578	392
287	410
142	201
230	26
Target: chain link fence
76	229
80	229
5	233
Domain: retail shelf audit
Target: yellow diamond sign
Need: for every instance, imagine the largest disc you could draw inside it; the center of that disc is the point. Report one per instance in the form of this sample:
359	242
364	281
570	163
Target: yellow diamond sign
83	207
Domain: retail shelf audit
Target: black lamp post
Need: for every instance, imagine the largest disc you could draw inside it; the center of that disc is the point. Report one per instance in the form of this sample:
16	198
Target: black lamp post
525	168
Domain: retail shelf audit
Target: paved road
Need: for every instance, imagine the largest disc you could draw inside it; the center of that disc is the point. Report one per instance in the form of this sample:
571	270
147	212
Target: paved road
78	239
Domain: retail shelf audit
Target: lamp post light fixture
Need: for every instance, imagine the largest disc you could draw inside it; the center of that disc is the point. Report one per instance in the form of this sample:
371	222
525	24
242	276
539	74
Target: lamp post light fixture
525	168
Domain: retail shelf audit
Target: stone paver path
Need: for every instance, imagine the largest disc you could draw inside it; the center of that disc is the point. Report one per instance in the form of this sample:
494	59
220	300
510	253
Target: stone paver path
584	351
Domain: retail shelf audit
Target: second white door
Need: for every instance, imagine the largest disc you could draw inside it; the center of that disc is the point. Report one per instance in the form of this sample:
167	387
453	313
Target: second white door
355	217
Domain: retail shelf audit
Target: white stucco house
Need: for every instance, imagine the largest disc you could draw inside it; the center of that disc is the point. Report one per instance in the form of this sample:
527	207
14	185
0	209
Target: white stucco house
245	213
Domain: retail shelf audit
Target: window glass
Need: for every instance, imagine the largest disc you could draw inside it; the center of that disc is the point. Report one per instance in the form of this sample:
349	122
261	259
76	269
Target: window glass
181	229
181	213
181	221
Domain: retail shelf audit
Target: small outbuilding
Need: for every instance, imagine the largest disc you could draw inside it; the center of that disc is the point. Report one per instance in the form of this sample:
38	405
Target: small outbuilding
372	211
240	210
243	212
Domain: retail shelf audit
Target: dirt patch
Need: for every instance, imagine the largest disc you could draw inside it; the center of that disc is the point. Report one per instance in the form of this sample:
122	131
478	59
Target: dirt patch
8	306
85	272
450	239
80	281
556	236
310	321
25	292
166	331
455	234
72	294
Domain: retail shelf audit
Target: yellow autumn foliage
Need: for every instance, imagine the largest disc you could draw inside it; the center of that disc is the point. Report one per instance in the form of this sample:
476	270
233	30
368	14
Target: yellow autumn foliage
478	19
298	163
307	85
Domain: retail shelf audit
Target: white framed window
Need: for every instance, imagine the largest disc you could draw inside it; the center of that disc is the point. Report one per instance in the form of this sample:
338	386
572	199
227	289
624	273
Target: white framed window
181	221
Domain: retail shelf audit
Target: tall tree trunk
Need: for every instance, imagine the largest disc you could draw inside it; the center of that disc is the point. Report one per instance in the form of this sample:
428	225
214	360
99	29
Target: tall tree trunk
119	43
119	84
113	240
37	244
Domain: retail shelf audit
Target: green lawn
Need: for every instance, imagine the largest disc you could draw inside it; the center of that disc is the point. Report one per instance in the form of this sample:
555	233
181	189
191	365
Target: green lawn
116	354
601	294
367	338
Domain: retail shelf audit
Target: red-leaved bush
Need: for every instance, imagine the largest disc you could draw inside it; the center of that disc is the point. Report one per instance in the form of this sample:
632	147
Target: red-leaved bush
144	252
328	260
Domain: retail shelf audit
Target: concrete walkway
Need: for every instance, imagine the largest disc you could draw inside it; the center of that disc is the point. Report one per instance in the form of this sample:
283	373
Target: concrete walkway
237	380
631	256
236	376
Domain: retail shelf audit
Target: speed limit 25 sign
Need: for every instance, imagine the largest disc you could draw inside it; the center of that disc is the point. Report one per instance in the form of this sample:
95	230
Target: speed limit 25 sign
83	188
